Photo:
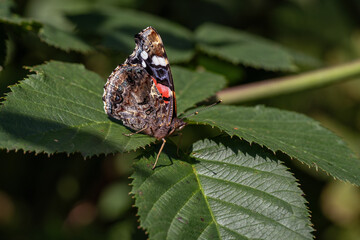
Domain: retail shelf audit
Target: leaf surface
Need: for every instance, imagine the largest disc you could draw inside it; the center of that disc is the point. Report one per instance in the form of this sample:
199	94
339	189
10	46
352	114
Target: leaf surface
60	109
5	6
3	50
240	47
296	135
232	191
193	87
117	27
62	39
49	34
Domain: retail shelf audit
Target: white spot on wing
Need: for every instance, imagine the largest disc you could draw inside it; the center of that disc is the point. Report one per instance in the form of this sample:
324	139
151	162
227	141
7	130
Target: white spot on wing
144	55
155	60
143	64
162	61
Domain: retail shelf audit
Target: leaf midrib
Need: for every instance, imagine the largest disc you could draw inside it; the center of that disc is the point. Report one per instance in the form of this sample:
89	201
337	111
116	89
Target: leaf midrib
206	201
186	202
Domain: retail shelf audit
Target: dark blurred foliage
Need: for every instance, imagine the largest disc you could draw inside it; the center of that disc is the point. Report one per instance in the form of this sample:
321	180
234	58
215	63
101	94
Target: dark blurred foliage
66	197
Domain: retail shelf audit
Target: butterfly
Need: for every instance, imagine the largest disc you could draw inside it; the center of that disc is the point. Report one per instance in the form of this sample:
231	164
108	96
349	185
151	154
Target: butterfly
141	91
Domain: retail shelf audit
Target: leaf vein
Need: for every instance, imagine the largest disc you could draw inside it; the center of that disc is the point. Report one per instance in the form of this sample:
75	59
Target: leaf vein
216	162
260	192
183	205
206	201
257	214
65	100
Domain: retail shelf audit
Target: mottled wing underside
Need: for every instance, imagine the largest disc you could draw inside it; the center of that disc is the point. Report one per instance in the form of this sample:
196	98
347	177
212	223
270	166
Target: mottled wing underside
132	97
140	92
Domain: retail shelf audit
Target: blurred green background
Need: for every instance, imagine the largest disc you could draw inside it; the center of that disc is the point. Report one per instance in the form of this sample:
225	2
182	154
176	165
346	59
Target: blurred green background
66	197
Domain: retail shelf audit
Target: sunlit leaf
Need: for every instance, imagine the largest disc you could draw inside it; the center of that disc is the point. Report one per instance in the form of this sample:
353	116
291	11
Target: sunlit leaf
296	135
232	191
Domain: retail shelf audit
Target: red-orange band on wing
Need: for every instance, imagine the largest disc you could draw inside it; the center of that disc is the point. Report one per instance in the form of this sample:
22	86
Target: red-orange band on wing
163	90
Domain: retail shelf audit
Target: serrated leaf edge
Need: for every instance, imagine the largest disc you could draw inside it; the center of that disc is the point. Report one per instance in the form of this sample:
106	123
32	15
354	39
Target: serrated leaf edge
274	152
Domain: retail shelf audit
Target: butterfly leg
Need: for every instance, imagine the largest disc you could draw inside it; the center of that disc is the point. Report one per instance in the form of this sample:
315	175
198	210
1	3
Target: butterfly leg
158	155
130	134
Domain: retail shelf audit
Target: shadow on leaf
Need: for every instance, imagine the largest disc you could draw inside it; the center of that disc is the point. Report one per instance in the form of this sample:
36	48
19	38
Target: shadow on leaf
40	135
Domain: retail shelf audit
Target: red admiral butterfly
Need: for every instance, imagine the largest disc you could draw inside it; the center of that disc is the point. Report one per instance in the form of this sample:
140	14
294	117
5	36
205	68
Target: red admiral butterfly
141	92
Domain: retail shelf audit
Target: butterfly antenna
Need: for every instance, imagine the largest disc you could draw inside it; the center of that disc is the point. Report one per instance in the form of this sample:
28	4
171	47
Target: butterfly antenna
196	113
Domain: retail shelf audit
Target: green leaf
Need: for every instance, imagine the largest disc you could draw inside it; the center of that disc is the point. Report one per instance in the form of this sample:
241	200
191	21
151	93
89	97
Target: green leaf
23	23
243	48
62	39
3	49
60	109
50	35
304	61
5	6
296	135
189	86
117	28
233	191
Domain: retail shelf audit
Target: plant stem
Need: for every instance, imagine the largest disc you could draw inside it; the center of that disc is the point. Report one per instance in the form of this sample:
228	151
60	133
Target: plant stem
285	85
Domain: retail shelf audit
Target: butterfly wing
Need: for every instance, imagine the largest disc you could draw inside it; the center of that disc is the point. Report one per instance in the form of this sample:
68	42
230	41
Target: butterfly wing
140	92
150	54
131	96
